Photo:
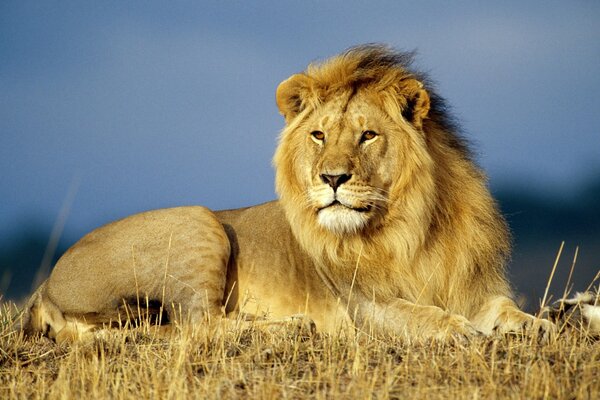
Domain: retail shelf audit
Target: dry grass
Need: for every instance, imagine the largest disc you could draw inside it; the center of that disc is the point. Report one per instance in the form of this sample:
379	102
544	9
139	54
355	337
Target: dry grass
258	363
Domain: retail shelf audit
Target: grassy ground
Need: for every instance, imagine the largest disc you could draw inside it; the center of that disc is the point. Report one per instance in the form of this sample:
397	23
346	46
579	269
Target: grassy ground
262	364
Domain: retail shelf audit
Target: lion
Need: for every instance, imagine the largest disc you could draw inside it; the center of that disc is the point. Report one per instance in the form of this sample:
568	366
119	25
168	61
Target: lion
383	223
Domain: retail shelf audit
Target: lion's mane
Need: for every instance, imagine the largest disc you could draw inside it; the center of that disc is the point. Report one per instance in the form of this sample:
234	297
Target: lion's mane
441	228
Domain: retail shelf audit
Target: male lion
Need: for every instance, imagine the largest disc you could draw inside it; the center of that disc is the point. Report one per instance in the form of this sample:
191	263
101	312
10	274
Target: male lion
383	221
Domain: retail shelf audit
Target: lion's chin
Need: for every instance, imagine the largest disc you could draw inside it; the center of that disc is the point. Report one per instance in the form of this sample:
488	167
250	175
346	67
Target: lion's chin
342	220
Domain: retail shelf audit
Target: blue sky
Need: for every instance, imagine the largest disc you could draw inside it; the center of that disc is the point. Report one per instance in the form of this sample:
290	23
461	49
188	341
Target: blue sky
141	105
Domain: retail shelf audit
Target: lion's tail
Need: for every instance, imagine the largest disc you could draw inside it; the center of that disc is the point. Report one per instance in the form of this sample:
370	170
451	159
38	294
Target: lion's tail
582	311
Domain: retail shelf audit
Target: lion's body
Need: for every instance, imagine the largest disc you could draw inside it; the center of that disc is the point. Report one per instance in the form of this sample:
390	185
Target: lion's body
270	274
383	221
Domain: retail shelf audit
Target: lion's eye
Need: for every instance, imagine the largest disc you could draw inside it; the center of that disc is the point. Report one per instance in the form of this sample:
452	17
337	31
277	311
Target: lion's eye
318	136
368	135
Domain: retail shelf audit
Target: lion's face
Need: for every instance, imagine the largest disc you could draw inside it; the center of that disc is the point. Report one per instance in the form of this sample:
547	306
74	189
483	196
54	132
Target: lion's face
348	159
348	163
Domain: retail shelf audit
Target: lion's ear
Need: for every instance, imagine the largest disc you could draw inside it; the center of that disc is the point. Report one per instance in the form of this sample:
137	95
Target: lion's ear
291	94
417	103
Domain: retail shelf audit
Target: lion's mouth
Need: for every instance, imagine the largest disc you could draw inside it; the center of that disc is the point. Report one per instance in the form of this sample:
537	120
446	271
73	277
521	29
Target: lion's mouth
337	203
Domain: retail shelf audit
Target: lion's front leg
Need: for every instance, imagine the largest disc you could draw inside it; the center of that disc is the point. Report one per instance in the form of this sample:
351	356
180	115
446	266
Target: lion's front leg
413	321
501	315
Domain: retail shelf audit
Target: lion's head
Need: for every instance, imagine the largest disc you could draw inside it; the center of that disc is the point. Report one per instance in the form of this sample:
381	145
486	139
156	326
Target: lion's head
350	133
370	162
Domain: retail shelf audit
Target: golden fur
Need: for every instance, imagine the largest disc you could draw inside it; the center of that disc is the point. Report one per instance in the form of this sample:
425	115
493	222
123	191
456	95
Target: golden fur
383	223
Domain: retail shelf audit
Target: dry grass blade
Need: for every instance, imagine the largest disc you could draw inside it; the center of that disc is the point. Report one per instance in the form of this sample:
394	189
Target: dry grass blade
253	362
567	286
543	304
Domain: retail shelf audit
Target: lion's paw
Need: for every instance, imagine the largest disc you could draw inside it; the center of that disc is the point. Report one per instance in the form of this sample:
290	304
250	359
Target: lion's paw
456	327
515	321
303	324
298	324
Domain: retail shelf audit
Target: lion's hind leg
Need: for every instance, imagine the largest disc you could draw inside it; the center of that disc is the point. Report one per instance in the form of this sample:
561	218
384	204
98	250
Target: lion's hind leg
42	316
161	266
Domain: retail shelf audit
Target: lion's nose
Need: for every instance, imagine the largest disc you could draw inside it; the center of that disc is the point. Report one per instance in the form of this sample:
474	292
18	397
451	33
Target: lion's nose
335	180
